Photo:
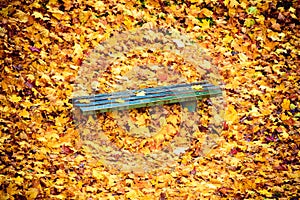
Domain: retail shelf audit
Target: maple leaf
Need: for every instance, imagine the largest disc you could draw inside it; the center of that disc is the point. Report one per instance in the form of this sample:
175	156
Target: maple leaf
286	104
15	99
252	10
66	150
24	113
265	193
23	17
230	114
204	24
32	193
19	180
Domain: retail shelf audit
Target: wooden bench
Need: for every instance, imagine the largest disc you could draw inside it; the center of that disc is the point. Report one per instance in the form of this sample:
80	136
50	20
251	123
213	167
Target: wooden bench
186	94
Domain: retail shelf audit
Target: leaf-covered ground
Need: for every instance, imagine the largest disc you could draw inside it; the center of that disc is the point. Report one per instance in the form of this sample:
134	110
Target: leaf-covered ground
254	44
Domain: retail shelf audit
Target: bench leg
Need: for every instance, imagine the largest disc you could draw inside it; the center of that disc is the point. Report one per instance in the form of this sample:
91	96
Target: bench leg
190	105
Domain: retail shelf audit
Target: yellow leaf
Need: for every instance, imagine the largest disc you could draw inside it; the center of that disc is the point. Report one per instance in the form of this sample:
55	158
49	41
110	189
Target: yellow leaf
61	120
231	3
173	119
24	113
15	99
19	180
60	196
205	24
59	181
74	67
159	137
58	77
227	39
255	112
260	19
243	57
120	100
284	117
231	114
285	135
141	119
30	77
78	52
285	104
26	103
41	139
98	175
37	15
32	193
12	189
91	189
145	151
142	93
5	11
206	12
91	120
87	101
132	194
127	22
21	16
197	87
99	6
249	22
265	192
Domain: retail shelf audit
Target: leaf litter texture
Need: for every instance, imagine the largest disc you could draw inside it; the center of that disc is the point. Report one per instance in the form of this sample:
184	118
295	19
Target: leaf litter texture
253	44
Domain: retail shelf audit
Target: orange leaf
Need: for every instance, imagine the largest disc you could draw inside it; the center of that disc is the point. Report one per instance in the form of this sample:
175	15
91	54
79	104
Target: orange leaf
206	12
24	113
286	104
32	193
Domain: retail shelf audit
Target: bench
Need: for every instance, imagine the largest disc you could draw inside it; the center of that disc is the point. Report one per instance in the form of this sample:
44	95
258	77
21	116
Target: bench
187	94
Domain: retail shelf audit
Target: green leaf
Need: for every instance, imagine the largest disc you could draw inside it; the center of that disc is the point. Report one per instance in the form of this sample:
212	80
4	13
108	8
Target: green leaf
252	10
249	22
292	106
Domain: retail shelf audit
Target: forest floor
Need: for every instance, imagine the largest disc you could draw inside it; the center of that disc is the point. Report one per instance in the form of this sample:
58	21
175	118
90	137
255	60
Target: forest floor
253	45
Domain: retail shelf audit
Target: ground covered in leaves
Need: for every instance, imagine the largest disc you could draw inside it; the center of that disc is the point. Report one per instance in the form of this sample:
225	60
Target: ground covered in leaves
255	46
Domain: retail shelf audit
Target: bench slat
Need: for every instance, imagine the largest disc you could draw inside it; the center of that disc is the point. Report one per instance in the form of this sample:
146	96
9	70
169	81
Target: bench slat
149	90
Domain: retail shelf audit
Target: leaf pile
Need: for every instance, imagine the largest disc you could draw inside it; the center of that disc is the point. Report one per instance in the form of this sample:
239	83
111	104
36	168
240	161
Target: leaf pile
254	44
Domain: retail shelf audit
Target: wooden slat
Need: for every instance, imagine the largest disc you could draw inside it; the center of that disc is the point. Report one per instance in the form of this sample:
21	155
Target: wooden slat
149	90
